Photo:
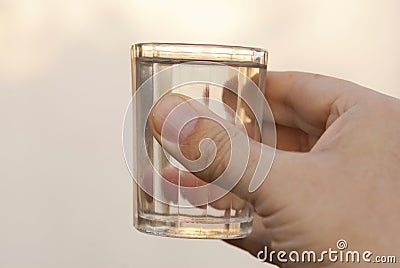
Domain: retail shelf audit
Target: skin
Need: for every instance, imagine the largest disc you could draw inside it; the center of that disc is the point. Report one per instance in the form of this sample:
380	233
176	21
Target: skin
336	172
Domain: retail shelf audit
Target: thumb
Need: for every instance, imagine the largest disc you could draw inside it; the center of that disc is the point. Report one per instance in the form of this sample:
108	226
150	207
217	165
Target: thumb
210	147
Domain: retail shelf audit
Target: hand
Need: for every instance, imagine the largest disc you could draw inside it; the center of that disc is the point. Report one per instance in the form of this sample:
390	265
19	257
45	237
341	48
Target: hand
336	172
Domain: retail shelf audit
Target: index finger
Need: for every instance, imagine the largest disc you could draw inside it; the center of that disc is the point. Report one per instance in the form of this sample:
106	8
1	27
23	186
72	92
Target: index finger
304	100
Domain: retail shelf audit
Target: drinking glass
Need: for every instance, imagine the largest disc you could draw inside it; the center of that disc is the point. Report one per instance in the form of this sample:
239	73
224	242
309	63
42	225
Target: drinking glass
205	73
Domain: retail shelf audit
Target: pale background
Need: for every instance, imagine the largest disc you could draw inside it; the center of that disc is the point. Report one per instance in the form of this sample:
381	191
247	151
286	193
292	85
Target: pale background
65	194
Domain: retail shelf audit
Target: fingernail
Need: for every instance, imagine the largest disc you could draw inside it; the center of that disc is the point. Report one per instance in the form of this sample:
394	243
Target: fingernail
169	125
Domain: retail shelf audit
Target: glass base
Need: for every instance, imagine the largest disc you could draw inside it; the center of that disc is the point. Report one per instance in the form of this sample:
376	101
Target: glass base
194	227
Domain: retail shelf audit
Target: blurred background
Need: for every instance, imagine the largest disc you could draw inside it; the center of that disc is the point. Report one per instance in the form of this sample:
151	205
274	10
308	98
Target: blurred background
65	193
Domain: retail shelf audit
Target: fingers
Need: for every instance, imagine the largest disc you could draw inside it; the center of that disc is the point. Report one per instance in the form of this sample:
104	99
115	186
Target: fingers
183	127
303	100
188	182
207	145
301	104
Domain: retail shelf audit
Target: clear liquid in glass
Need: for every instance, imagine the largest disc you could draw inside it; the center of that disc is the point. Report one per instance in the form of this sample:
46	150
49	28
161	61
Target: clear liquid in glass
178	218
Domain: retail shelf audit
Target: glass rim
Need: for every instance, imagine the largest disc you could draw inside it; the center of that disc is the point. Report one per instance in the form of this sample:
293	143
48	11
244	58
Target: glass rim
183	52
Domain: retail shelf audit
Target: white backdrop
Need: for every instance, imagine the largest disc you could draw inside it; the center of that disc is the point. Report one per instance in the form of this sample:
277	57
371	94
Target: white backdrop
65	194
